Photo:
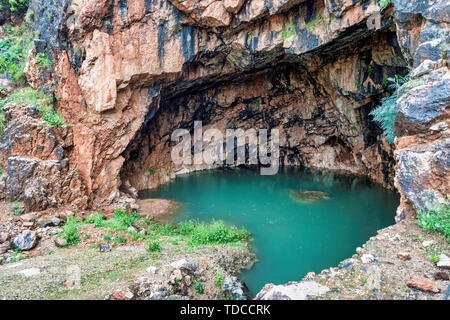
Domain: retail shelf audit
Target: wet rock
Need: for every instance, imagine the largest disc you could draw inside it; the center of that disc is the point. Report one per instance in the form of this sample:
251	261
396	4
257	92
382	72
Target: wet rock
235	288
423	285
444	262
404	255
440	276
292	291
308	196
27	240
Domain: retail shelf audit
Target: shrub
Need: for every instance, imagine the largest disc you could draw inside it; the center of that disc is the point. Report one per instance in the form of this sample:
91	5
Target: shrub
2	123
436	220
70	230
16	5
14	49
385	113
216	233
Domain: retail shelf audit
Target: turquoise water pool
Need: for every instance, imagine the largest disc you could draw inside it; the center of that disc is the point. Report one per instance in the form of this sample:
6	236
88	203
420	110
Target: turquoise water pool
300	221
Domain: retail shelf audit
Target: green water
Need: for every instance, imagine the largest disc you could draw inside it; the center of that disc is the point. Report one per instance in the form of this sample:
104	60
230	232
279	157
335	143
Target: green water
290	237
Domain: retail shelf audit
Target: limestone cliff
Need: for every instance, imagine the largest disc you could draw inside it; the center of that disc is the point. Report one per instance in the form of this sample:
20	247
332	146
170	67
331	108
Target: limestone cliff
130	72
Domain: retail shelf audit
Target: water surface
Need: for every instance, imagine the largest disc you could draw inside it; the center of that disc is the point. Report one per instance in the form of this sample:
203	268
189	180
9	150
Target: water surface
291	236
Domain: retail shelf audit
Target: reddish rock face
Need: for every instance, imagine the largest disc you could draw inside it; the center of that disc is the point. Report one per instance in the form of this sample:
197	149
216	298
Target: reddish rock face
422	284
131	72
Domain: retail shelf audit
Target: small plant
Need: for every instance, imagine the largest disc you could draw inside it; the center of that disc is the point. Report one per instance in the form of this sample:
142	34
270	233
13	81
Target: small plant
1	168
384	4
385	113
436	220
107	238
151	171
70	230
199	286
154	246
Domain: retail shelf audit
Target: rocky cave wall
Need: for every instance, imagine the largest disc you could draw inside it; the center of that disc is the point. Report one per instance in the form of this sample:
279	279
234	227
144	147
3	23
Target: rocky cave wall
128	72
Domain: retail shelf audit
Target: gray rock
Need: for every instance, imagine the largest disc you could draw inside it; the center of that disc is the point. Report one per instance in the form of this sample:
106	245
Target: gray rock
444	262
185	265
292	291
30	272
105	248
25	241
237	289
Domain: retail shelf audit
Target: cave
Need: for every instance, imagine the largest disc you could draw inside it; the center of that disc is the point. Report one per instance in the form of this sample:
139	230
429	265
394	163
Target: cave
320	103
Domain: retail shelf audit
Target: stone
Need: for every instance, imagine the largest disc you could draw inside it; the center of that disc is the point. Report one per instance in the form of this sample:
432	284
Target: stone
29	224
27	240
4	236
440	276
105	248
404	255
358	250
427	243
292	291
125	294
423	285
236	288
367	258
185	265
309	276
60	242
69	284
152	270
308	196
56	221
444	262
233	6
30	272
29	217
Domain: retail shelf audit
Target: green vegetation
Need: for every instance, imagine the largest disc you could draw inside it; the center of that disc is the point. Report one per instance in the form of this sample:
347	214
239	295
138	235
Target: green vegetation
154	246
1	170
70	230
199	286
14	49
385	113
39	100
384	4
2	123
219	279
193	233
42	59
151	171
312	24
436	220
289	31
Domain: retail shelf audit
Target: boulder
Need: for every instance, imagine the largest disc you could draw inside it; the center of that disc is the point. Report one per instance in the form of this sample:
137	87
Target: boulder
25	241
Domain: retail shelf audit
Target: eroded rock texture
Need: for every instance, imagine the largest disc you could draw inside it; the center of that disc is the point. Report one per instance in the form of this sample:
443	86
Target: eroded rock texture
422	119
130	72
